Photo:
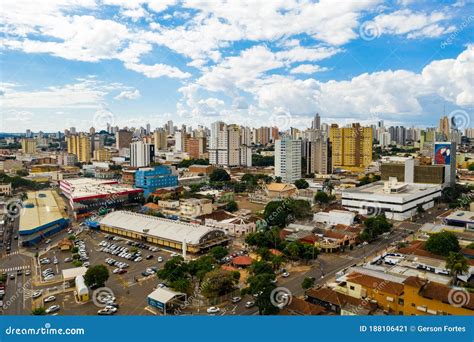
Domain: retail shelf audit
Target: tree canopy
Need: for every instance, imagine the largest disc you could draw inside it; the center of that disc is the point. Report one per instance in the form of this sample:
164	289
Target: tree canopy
442	243
302	184
96	276
219	175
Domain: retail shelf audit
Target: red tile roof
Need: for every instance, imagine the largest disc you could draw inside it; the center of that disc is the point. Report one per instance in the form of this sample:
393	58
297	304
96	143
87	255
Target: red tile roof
381	285
242	261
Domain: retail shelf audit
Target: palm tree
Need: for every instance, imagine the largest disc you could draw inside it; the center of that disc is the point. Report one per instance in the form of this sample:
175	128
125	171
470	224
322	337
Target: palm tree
328	186
457	264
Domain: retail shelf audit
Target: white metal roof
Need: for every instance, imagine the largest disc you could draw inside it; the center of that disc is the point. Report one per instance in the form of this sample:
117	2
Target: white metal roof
164	295
157	227
72	273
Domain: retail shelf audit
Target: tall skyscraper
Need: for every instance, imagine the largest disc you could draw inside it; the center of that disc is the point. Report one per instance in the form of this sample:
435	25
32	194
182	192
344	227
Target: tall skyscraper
141	154
316	122
80	145
444	126
351	146
288	159
196	147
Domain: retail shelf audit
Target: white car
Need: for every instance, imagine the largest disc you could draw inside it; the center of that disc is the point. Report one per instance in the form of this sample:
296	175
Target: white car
37	294
285	275
49	277
52	309
160	259
174	255
213	310
115	271
49	299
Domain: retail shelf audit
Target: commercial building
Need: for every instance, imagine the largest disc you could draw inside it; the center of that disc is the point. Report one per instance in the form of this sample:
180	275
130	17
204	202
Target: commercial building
165	299
28	146
141	154
102	155
86	195
409	170
43	214
80	145
397	200
288	159
351	147
6	189
152	178
189	237
335	217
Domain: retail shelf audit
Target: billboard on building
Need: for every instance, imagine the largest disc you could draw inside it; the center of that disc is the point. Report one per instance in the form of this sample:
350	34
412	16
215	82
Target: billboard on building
442	153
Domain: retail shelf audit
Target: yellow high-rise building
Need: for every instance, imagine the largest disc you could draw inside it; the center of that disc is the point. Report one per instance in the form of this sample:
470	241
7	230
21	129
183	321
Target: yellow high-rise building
351	147
80	145
28	146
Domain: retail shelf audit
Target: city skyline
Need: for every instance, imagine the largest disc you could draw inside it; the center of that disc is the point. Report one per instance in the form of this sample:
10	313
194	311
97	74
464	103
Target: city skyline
152	61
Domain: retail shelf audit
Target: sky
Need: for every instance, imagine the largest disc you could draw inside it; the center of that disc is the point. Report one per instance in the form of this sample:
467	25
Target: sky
84	63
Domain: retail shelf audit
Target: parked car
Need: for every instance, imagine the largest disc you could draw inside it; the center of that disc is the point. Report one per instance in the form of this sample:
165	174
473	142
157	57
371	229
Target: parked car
285	275
37	294
48	241
52	309
160	259
236	299
68	260
213	310
49	299
249	304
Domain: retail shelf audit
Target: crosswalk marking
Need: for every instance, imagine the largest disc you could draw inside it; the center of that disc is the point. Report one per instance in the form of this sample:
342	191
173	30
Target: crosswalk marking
10	254
17	268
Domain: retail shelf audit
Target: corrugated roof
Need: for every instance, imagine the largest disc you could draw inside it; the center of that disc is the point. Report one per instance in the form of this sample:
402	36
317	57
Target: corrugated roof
40	208
163	295
157	226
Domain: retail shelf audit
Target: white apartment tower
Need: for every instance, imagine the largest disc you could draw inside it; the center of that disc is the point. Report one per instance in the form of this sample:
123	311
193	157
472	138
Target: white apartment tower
288	159
141	154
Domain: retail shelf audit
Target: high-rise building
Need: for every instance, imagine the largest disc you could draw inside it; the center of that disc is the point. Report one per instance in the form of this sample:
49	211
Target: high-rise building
385	139
141	154
160	139
28	146
319	156
123	139
102	155
181	140
225	147
444	126
351	146
316	122
80	145
288	159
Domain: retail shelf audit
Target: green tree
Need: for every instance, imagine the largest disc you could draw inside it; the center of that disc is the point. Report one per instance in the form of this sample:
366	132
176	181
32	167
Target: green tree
219	175
261	285
442	243
302	184
96	276
321	197
199	267
41	311
471	167
470	246
457	264
218	282
231	206
308	283
219	252
375	226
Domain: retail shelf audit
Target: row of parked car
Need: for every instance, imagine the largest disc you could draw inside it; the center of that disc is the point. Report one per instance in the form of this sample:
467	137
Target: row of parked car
120	251
118	264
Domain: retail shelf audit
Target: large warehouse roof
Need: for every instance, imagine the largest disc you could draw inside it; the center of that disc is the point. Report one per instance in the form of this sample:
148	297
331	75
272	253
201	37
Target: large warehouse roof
41	208
158	227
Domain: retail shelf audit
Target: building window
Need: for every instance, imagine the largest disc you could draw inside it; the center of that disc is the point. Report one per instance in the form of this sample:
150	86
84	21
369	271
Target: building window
352	288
